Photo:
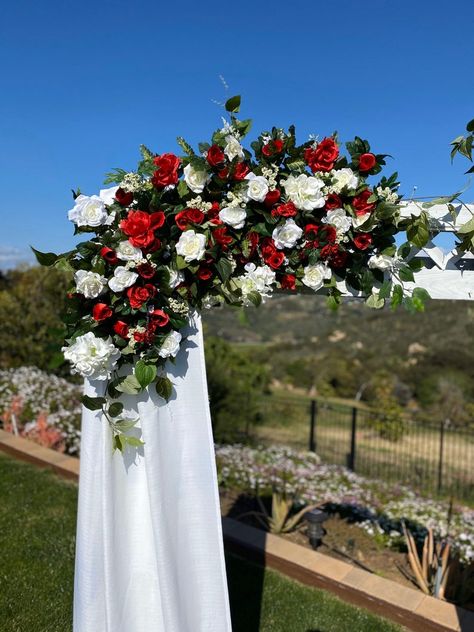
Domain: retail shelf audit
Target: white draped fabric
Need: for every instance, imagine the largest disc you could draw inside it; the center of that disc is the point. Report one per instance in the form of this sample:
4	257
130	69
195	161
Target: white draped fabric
149	552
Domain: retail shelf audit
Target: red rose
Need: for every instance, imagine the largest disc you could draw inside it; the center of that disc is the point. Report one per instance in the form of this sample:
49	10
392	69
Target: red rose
222	237
101	311
138	295
360	203
333	201
140	336
121	329
367	162
285	210
167	172
193	215
223	173
275	259
109	255
240	171
362	241
140	226
272	148
123	198
318	234
288	282
146	270
254	239
215	156
158	318
333	255
323	157
272	198
268	247
204	273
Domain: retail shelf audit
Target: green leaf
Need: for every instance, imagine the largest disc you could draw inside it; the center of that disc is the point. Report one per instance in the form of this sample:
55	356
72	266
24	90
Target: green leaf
118	444
44	258
418	232
145	373
181	263
470	126
115	409
421	294
129	385
397	297
233	104
406	274
375	302
164	388
146	153
134	442
63	264
467	227
385	289
186	147
333	301
255	298
93	403
224	268
125	424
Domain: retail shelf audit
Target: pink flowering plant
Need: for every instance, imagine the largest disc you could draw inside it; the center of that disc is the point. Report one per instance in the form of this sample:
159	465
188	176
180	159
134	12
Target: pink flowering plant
224	225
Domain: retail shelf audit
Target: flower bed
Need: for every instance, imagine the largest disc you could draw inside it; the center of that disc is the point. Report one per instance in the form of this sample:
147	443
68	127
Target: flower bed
42	407
378	508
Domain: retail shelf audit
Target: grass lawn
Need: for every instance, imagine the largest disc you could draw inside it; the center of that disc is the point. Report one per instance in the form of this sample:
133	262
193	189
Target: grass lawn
37	523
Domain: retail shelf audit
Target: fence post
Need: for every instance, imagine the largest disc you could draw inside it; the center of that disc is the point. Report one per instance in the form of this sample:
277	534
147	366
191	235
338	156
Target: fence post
351	460
441	454
312	425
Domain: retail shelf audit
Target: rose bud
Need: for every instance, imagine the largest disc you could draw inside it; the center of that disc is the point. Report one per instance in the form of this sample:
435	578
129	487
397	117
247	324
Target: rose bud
367	162
240	171
204	273
215	156
121	329
109	255
272	198
288	282
124	198
101	311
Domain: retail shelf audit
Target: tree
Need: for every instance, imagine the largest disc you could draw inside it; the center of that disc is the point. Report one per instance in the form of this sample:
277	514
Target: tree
31	300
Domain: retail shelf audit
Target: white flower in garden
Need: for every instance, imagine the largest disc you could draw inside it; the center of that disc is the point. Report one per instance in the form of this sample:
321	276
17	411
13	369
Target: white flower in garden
257	188
191	245
127	252
305	192
92	357
195	179
233	148
314	276
176	277
287	235
90	284
338	218
170	345
381	262
123	278
343	179
233	216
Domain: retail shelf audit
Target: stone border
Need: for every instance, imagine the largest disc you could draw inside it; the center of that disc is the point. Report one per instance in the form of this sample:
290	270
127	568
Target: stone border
26	450
409	607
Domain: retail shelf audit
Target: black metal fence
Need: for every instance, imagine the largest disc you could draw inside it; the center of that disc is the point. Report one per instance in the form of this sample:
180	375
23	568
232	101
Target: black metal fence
431	457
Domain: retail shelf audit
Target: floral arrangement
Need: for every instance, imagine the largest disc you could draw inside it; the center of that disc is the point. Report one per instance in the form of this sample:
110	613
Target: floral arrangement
223	226
377	507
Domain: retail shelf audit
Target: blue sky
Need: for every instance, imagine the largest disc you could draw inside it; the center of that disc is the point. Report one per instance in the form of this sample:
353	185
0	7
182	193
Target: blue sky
85	83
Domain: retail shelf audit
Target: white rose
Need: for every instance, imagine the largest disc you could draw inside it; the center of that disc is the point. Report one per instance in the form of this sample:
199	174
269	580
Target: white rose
233	148
90	284
257	279
257	188
88	211
305	192
344	179
196	180
191	245
314	276
92	357
127	252
175	278
170	345
338	218
234	216
123	278
287	235
381	262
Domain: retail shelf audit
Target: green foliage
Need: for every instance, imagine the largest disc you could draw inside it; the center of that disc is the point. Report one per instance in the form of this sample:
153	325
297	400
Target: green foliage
236	383
31	331
389	422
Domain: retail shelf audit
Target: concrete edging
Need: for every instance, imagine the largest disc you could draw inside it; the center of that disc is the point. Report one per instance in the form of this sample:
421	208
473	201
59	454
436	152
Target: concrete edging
407	606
